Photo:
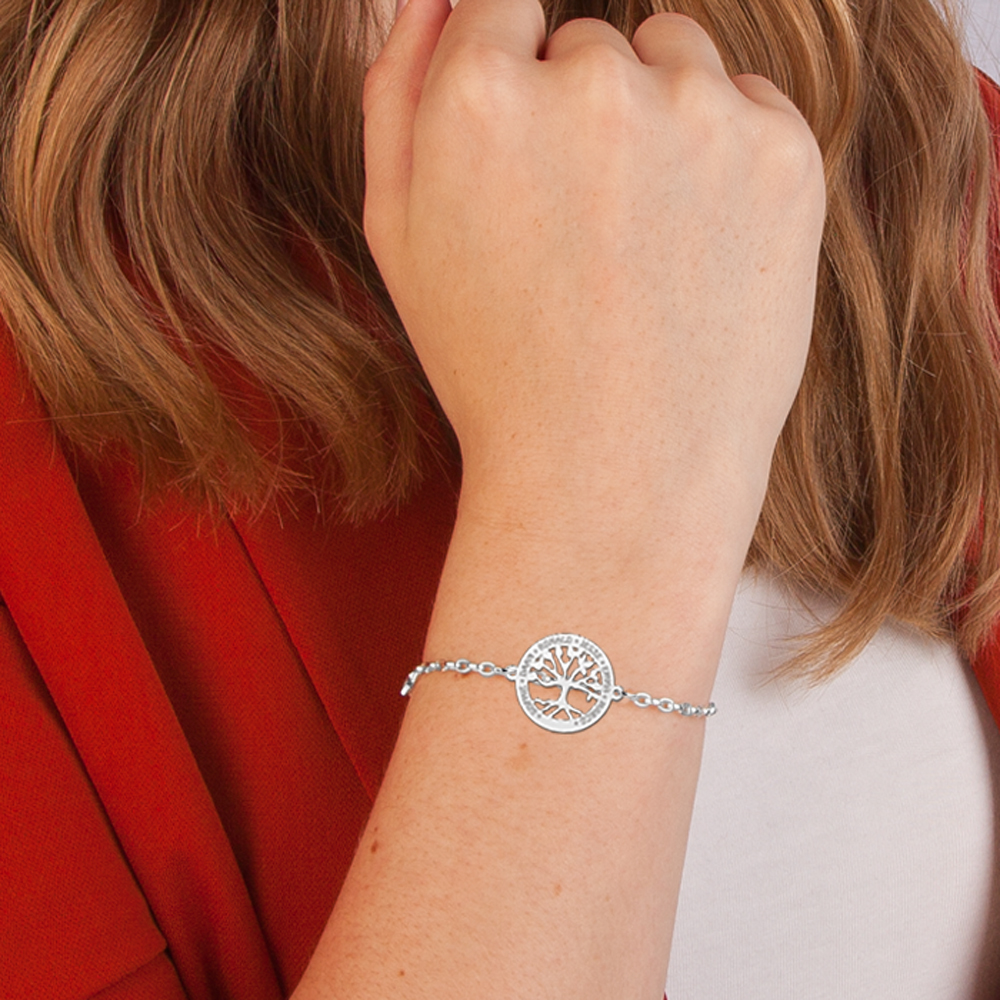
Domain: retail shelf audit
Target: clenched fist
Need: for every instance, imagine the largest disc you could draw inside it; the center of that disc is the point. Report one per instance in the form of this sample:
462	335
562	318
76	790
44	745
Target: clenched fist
604	253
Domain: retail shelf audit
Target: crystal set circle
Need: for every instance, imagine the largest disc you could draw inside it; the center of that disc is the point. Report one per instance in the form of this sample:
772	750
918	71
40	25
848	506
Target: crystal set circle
553	668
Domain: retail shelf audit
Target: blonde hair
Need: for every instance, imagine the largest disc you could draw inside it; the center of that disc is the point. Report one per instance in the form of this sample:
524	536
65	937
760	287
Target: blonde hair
182	193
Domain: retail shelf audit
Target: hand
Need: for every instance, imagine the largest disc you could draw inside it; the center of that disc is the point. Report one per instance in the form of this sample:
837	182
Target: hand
605	254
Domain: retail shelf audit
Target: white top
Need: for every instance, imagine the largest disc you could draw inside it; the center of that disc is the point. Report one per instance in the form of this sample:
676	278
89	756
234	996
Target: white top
843	838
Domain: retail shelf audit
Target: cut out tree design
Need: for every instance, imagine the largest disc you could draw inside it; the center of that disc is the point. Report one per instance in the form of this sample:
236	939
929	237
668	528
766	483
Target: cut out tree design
565	683
568	670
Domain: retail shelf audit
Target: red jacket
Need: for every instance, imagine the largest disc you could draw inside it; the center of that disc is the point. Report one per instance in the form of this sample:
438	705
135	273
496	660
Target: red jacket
194	719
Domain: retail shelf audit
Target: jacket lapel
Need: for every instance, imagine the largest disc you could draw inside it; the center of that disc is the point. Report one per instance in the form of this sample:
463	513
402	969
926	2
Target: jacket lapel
68	609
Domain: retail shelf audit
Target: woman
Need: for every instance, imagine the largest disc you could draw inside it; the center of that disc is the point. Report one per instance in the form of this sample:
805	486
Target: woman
606	261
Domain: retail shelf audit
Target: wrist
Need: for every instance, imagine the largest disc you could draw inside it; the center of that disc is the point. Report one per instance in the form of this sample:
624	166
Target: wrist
695	523
653	591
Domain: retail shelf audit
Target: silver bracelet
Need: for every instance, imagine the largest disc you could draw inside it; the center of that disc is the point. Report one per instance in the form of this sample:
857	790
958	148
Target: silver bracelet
575	666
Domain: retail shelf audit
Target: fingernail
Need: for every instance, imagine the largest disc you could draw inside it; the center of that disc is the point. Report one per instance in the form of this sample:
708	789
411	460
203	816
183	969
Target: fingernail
400	4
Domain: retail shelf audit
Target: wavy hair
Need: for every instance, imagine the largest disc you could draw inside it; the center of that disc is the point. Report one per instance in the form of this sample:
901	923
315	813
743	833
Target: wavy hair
181	192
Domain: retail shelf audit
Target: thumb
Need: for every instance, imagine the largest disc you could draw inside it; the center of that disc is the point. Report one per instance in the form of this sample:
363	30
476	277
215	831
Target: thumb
391	95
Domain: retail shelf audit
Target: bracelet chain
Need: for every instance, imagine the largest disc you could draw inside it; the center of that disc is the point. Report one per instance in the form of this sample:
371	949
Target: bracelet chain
487	669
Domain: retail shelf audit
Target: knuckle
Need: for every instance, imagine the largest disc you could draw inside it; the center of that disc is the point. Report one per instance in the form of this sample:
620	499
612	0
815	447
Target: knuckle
602	75
790	148
695	88
699	104
597	60
477	81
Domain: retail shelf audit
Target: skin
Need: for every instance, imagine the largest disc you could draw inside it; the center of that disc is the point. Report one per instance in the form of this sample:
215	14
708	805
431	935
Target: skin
605	255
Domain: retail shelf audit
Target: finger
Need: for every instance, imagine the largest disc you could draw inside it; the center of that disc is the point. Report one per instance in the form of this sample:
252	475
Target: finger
760	90
670	39
391	95
516	27
582	33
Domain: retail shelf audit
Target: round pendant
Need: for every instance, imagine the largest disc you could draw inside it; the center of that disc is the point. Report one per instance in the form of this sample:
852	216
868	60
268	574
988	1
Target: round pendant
564	683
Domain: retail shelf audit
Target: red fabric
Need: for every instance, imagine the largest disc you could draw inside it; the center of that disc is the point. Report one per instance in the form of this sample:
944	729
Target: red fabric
987	664
194	719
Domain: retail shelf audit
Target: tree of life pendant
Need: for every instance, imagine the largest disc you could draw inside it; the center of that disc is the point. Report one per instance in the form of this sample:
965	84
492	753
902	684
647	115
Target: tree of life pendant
564	683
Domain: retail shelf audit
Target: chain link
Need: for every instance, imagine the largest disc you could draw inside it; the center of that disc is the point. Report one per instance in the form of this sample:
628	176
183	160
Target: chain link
487	669
667	705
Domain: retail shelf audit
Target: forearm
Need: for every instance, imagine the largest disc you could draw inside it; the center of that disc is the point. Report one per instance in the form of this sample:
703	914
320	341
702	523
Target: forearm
505	861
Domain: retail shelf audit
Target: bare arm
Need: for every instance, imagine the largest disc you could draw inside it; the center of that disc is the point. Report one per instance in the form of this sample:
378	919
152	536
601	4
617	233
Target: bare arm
606	259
